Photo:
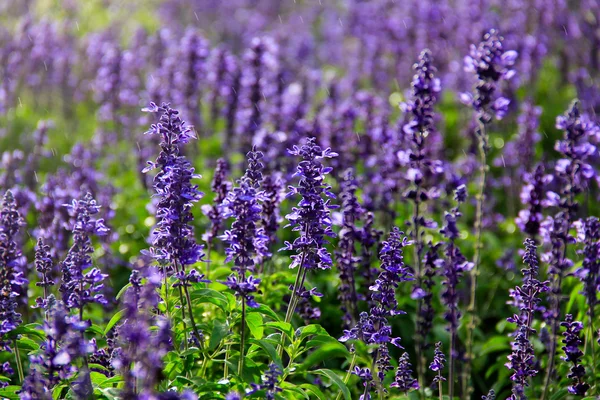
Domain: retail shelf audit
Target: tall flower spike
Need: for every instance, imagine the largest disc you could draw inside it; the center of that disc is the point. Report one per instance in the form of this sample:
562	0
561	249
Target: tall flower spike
270	382
11	278
589	272
525	297
173	243
573	355
346	254
246	239
374	327
571	172
220	187
311	217
438	364
490	64
44	267
404	380
79	287
173	240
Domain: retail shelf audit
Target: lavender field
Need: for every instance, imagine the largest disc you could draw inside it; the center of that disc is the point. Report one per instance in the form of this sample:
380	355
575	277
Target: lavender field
299	199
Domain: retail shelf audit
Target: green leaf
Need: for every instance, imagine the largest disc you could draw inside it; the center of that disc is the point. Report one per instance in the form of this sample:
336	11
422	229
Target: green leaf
123	290
314	391
255	324
326	351
220	331
113	321
495	344
308	330
336	380
205	295
265	310
560	394
9	392
269	349
97	378
27	344
283	327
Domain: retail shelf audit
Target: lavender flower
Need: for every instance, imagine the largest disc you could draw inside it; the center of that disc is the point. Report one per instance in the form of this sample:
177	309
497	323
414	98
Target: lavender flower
144	339
367	380
452	267
533	195
44	267
374	327
352	212
490	64
220	187
272	187
246	239
404	380
438	364
173	242
574	355
589	272
571	172
78	287
490	396
270	382
312	215
11	277
61	349
525	297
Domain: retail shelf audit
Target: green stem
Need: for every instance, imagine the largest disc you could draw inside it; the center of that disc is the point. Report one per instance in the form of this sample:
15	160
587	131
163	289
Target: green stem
477	257
18	361
440	388
348	374
183	318
451	366
593	347
225	365
242	338
293	300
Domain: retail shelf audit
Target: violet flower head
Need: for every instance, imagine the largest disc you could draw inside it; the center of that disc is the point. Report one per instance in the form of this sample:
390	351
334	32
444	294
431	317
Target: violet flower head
573	355
404	380
393	272
533	195
246	239
311	217
575	149
490	396
425	90
79	287
63	345
367	380
44	266
438	363
589	272
270	382
346	254
173	243
490	64
220	187
526	297
272	187
11	277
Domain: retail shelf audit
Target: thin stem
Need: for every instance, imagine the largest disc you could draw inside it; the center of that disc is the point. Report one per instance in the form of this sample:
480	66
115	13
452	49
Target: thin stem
348	374
208	249
18	361
183	317
225	365
451	365
293	300
242	338
440	387
593	347
419	340
476	259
